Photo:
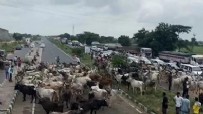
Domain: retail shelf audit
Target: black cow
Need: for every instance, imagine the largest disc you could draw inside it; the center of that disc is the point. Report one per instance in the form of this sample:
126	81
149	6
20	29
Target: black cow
93	105
50	106
26	90
67	97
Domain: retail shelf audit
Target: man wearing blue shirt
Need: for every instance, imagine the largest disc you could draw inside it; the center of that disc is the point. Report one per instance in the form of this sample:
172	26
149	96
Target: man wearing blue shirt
185	105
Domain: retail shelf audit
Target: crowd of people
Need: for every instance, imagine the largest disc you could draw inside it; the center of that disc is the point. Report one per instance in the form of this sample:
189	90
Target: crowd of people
182	104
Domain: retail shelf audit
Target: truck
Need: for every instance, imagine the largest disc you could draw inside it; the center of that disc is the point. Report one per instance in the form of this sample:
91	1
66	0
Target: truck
27	42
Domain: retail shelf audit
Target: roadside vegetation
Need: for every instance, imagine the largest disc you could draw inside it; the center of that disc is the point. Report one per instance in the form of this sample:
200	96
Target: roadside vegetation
85	58
9	46
196	50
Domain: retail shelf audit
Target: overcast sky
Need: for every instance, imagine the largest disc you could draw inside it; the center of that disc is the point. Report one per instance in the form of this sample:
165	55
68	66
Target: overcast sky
105	17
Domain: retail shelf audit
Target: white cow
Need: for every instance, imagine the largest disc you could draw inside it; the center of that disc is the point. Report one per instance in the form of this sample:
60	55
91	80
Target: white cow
136	84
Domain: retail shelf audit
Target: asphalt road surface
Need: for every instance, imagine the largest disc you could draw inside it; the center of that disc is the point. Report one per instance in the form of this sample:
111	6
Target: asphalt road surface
120	105
50	52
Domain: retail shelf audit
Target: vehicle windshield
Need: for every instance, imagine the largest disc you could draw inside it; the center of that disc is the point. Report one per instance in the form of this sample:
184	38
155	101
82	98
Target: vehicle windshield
196	69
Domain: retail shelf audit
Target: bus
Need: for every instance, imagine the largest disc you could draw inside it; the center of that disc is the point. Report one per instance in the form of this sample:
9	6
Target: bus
175	56
146	52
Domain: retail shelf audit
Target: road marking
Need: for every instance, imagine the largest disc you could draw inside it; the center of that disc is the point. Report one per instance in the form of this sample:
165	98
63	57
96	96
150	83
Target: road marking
33	106
130	104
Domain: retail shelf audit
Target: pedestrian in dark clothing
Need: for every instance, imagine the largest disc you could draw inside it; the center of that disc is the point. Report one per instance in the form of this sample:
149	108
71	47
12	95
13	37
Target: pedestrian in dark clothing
164	104
6	71
185	87
170	81
19	62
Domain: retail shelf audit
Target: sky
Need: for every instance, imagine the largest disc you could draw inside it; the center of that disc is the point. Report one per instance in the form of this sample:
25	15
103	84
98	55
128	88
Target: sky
105	17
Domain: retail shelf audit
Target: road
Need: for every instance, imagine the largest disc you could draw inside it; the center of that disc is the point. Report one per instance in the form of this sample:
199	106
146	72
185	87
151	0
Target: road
119	105
51	51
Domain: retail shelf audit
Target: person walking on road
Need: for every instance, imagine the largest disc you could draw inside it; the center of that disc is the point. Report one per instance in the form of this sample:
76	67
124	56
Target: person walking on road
10	73
57	60
15	60
164	104
185	87
178	100
170	81
196	107
185	105
77	59
6	71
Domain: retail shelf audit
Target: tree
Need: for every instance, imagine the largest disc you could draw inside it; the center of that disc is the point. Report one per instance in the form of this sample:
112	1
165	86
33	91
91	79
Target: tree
193	43
65	35
165	37
140	37
17	36
181	44
108	39
88	37
124	40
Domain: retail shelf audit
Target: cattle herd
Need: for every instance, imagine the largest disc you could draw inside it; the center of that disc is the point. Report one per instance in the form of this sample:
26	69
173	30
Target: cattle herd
74	89
65	88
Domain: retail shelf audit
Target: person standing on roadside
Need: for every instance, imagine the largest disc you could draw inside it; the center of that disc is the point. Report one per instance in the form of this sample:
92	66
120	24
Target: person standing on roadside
196	107
170	81
164	104
185	86
185	105
178	101
6	71
10	73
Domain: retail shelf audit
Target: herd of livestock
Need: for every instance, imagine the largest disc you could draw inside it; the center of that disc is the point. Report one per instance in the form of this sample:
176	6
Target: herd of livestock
83	90
52	86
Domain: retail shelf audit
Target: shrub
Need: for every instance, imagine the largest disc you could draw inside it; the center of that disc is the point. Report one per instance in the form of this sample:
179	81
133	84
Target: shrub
78	51
119	61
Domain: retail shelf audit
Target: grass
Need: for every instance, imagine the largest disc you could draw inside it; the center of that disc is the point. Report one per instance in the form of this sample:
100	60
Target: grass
196	50
85	59
153	99
9	47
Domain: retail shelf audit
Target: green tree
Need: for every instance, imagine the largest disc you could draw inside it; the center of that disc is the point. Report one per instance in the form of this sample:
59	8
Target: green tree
124	40
17	36
119	61
65	35
193	43
88	37
165	37
108	39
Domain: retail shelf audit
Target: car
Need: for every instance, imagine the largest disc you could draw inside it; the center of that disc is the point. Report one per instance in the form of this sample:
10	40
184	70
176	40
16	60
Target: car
173	66
42	45
196	70
32	45
19	47
158	61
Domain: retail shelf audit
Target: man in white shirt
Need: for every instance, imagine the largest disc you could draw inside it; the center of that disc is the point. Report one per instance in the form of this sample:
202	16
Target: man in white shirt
178	102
